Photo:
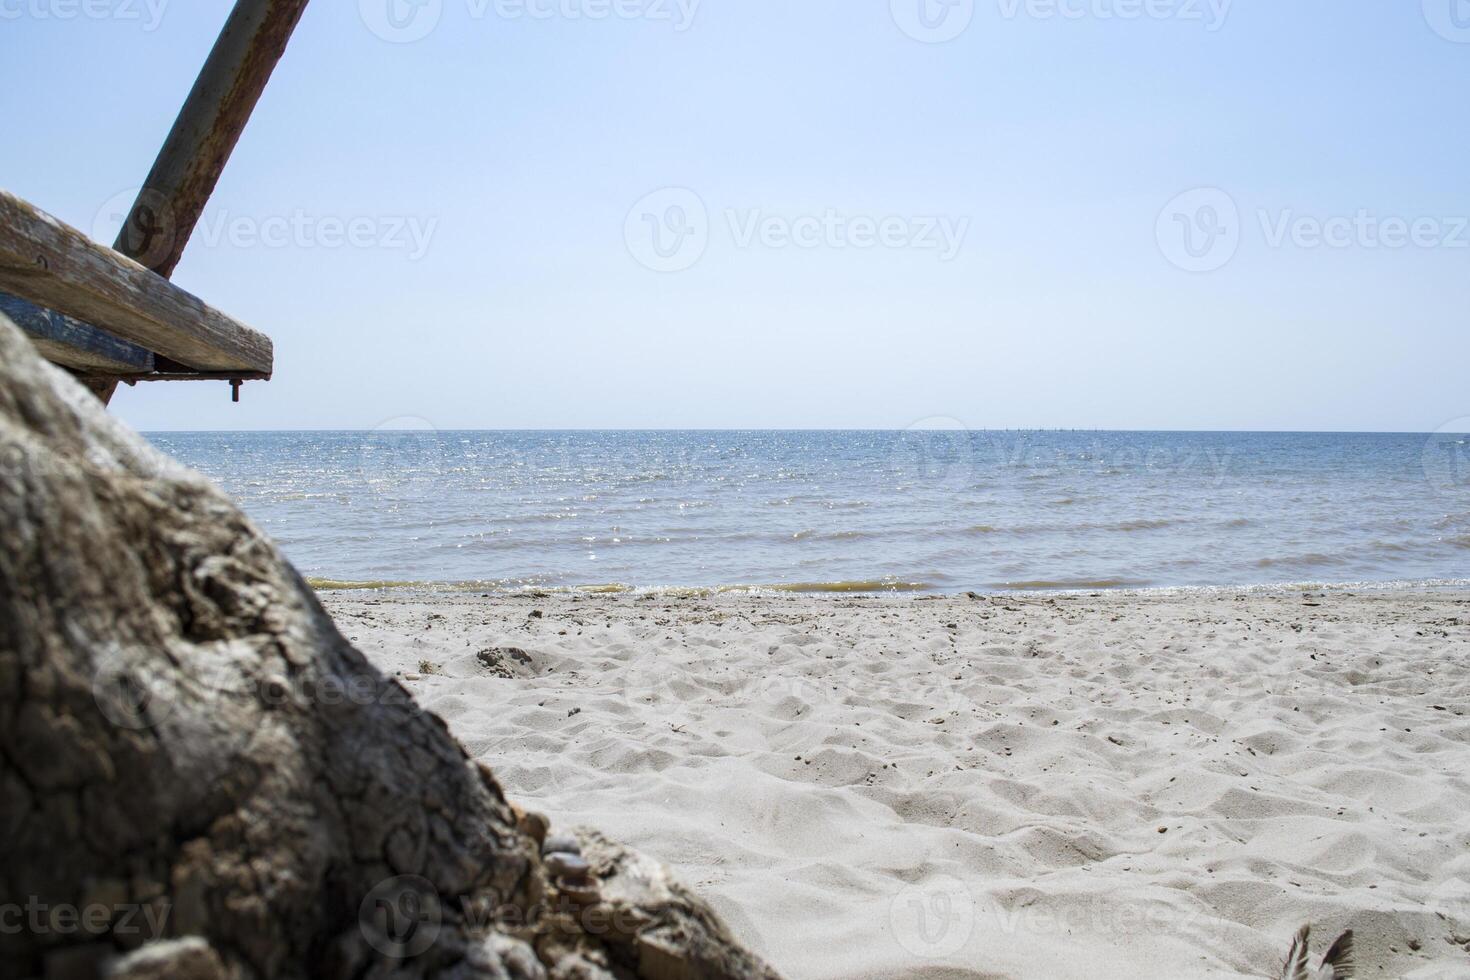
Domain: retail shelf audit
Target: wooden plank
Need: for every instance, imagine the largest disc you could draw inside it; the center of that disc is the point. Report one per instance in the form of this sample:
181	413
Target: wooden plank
71	343
204	134
53	265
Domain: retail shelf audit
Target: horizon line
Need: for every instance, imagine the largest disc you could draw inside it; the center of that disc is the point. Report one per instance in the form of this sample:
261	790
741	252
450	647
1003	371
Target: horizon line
813	429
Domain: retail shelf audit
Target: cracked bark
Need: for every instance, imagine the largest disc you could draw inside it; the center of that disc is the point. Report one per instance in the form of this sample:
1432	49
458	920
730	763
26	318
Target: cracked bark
194	757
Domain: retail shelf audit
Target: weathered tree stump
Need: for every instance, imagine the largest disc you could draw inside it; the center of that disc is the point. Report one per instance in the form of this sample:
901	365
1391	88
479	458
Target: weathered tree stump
201	778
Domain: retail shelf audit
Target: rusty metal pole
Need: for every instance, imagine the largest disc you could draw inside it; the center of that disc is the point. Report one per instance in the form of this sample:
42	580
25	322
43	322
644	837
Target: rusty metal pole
205	133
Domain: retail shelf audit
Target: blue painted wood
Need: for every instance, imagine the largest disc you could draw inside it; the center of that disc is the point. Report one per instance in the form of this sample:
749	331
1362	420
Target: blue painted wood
72	343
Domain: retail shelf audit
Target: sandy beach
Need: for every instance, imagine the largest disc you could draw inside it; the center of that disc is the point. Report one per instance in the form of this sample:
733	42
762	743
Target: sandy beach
1109	785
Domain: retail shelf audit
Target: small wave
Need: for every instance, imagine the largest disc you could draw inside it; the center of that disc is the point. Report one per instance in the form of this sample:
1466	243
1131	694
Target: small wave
1275	588
339	585
1312	560
880	585
811	535
555	515
1143	524
616	588
296	495
1070	585
370	585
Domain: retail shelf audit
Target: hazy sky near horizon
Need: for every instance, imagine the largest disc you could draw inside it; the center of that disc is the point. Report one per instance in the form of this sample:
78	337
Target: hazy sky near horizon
1158	214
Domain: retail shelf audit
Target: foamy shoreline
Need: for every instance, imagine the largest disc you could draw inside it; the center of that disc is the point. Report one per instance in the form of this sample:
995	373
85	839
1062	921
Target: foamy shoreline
1126	784
876	588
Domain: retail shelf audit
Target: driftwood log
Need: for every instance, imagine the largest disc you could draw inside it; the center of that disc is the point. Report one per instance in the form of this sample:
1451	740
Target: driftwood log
201	778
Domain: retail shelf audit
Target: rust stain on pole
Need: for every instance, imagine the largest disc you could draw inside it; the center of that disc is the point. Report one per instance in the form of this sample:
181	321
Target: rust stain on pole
205	132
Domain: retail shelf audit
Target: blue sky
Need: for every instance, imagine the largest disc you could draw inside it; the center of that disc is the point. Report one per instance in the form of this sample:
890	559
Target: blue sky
799	213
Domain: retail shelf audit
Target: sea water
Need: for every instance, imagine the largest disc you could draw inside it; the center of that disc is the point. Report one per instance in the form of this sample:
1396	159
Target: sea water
852	510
